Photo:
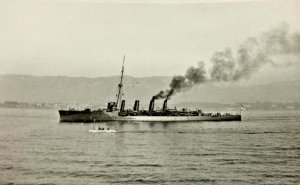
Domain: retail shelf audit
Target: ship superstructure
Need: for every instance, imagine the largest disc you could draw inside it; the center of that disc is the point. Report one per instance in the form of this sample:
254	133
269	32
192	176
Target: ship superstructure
115	111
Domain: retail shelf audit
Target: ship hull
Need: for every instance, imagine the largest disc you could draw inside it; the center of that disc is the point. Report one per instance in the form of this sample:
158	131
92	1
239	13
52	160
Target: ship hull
100	116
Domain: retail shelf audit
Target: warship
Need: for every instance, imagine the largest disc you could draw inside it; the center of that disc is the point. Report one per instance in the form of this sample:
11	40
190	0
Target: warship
115	111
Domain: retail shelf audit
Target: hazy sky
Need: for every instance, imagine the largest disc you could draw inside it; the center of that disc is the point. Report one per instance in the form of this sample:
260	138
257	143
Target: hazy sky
89	38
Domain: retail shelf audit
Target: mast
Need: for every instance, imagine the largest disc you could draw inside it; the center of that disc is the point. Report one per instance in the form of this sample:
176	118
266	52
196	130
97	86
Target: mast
120	85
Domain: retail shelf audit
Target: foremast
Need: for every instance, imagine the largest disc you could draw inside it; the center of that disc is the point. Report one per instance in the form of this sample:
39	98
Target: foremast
120	85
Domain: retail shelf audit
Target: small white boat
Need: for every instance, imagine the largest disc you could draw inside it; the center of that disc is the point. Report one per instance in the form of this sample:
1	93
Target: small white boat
102	131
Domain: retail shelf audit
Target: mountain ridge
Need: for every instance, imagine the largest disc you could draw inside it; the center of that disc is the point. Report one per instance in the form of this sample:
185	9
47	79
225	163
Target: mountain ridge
65	89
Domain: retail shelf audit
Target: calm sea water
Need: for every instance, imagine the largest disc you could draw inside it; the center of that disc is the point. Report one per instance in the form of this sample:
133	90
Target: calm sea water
262	149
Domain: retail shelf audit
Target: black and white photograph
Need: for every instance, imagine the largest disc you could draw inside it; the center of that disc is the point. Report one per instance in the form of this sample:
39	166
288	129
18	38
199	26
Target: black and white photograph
168	92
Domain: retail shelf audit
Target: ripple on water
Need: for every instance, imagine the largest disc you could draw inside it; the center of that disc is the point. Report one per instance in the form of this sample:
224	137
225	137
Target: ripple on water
259	150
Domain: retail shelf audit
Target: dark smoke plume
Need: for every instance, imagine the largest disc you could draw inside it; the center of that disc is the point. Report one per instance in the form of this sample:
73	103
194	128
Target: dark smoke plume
181	83
276	44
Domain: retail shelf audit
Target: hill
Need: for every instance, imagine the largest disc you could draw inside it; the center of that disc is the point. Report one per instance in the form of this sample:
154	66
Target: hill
62	89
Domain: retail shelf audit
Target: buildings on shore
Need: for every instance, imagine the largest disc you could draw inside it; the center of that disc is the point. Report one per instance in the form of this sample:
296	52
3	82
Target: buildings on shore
204	105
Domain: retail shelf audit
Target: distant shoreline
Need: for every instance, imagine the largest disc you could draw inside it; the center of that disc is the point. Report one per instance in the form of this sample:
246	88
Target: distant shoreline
202	105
